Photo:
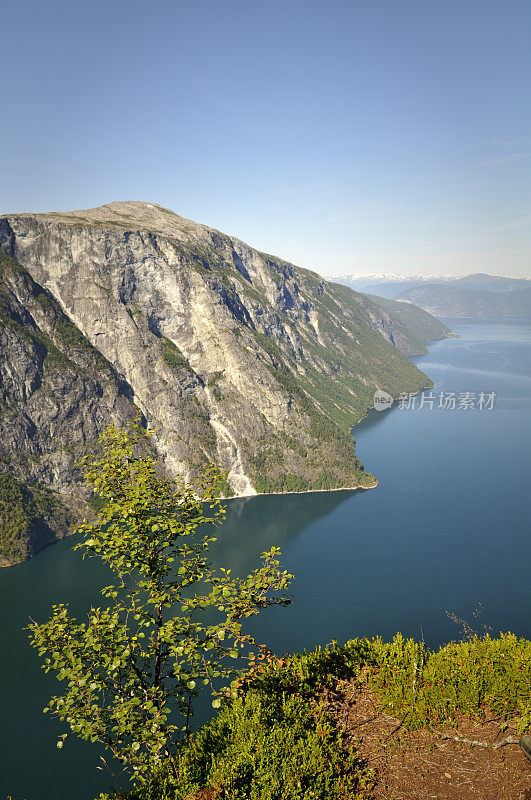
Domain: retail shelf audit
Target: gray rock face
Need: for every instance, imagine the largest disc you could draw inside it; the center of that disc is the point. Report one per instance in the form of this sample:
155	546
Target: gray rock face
57	395
233	355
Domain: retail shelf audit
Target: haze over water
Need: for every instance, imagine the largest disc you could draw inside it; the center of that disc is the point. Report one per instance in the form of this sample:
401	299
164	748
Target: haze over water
446	529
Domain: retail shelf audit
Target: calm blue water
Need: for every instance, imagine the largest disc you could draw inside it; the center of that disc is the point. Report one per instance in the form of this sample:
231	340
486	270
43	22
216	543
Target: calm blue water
446	529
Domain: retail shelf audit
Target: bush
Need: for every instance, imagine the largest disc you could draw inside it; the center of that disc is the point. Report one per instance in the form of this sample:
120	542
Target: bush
274	741
468	678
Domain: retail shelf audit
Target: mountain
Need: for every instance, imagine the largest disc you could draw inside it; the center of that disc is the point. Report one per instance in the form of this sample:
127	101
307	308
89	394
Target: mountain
57	395
419	323
492	283
385	285
233	355
477	295
455	300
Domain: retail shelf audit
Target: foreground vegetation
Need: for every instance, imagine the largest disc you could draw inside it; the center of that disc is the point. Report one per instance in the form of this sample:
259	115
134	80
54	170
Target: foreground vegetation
483	674
276	740
132	669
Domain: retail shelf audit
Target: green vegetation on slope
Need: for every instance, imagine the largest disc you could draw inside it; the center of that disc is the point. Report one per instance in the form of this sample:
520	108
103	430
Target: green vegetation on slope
332	383
275	741
460	678
424	326
24	511
360	357
172	356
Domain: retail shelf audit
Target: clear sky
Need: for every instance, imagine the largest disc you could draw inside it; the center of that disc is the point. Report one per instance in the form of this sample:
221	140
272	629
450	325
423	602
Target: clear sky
346	135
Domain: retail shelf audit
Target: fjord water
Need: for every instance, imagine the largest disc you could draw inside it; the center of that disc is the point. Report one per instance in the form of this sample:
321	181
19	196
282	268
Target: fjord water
446	529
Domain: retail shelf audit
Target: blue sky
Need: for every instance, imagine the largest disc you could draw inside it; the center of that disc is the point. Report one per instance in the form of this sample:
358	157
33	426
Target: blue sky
347	136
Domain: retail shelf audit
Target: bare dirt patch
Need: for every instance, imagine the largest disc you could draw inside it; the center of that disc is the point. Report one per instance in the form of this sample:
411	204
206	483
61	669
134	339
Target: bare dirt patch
423	765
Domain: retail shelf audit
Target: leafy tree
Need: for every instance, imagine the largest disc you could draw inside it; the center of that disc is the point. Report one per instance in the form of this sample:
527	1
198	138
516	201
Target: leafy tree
173	621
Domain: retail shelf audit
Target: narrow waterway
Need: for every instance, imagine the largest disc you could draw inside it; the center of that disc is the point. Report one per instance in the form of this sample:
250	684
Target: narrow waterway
446	529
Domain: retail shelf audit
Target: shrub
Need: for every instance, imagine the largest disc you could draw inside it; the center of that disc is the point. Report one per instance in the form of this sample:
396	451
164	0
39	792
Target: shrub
274	741
469	678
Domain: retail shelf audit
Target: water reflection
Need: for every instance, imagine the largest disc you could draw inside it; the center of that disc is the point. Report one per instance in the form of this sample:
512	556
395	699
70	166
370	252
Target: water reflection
254	524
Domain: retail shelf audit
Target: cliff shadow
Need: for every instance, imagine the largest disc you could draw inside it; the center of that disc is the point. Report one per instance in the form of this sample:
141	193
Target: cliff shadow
254	524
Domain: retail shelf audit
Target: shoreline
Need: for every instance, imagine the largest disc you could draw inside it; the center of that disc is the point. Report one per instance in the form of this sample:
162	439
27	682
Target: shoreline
337	488
305	491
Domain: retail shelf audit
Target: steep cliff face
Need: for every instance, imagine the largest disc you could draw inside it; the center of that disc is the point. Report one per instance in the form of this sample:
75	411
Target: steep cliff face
234	355
57	393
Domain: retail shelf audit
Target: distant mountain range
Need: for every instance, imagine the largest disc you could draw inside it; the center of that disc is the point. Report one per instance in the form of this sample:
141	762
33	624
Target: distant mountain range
478	295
